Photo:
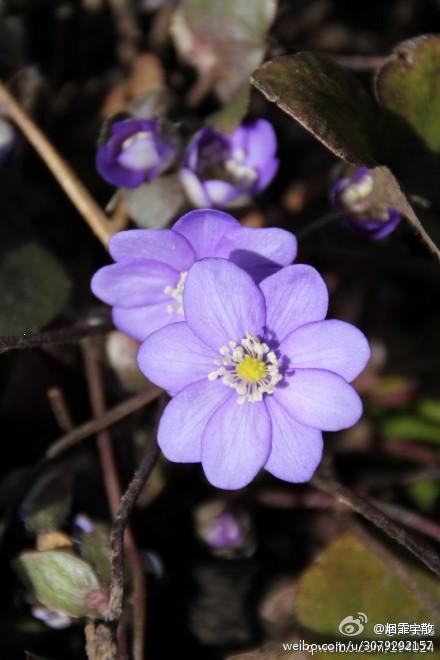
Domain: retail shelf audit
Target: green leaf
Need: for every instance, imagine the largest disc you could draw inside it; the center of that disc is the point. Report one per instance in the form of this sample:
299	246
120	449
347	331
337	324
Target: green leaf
33	285
327	100
430	408
155	204
411	427
224	39
408	85
95	549
425	494
347	579
60	580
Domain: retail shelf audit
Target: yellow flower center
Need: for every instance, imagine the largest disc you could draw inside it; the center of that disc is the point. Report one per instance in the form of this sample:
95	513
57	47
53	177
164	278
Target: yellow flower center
251	369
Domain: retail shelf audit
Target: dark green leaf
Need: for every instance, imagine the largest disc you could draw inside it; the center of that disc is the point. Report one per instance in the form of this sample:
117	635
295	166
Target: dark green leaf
95	549
230	116
33	285
327	100
411	427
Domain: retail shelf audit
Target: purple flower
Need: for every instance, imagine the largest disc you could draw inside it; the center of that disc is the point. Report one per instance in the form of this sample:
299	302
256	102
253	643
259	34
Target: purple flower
223	170
146	283
255	373
227	532
354	194
136	152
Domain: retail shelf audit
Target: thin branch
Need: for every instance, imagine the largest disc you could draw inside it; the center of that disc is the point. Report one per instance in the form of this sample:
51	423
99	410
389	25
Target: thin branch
327	219
60	409
63	173
93	426
114	493
410	519
418	548
59	336
117	536
360	62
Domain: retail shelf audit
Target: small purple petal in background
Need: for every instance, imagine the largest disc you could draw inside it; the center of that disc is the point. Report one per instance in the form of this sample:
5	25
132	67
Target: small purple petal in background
221	170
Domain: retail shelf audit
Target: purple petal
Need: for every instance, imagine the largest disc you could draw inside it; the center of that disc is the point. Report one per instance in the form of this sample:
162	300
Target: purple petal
174	357
236	443
260	251
320	399
162	245
266	174
205	229
294	295
134	284
296	449
258	140
139	322
222	303
331	345
220	193
185	418
194	188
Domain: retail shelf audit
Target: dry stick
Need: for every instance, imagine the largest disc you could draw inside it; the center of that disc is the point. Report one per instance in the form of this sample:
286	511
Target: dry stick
409	519
419	549
93	426
72	186
59	336
114	493
117	536
60	409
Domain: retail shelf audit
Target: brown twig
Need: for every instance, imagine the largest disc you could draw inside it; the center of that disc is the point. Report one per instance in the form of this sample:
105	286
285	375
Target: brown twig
63	173
59	336
418	548
114	493
93	426
410	519
360	62
117	536
60	409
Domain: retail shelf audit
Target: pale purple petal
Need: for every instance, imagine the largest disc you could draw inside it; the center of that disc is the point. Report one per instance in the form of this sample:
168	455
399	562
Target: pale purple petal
294	295
236	443
320	399
296	449
260	251
194	188
331	345
162	245
174	357
135	283
220	193
267	173
139	322
222	303
185	418
258	140
205	229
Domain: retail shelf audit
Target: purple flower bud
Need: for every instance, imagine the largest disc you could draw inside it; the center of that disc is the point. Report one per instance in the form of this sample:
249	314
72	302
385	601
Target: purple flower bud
227	532
136	152
223	170
354	194
7	139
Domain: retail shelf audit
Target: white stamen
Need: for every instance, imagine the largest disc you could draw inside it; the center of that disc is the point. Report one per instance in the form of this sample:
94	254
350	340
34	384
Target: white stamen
233	355
242	174
177	294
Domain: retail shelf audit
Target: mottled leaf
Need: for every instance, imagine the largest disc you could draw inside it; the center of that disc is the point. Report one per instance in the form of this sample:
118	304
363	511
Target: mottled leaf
60	580
33	285
347	578
224	39
328	100
95	549
408	85
155	204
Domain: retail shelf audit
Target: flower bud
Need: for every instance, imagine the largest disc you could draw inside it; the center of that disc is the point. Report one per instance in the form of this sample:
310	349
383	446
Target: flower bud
228	533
